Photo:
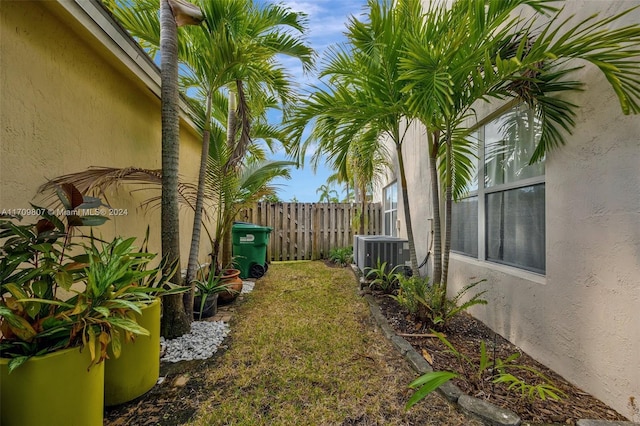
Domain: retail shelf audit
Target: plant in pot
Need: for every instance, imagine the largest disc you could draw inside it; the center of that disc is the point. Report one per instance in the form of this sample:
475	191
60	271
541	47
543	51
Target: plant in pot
49	341
230	278
35	263
132	366
205	302
215	285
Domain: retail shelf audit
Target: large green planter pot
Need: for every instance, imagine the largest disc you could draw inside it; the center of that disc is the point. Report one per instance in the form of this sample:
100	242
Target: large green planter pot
138	367
53	389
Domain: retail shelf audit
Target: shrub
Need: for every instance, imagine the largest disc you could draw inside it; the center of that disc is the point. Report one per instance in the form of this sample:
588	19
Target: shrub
342	256
384	278
427	303
410	289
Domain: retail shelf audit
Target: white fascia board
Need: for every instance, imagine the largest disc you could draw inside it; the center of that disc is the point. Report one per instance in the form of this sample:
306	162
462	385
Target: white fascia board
95	19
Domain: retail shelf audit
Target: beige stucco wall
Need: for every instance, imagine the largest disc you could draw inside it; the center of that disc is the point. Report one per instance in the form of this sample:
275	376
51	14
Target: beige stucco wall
416	160
582	318
66	104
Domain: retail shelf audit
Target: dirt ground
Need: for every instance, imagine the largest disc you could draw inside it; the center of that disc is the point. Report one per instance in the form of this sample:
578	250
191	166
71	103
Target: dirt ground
172	402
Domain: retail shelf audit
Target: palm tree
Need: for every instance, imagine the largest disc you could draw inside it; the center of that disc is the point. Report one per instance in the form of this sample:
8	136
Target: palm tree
175	322
363	93
327	194
369	161
233	188
233	51
365	158
463	54
343	177
238	47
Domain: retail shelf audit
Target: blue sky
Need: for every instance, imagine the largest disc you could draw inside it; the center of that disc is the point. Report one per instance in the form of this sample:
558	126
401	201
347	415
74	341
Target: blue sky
327	20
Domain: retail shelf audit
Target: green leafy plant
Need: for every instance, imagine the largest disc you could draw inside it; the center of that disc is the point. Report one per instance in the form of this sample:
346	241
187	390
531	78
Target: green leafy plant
112	294
384	278
410	289
35	266
427	303
341	256
152	283
426	384
486	370
542	391
211	285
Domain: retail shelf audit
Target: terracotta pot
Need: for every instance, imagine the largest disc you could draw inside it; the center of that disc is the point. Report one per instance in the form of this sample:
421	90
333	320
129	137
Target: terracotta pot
231	277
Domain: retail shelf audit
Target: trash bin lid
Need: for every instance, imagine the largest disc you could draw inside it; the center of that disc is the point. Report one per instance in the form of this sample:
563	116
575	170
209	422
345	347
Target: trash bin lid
244	226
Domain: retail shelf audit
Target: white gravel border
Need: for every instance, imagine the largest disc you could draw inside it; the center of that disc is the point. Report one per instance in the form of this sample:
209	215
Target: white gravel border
203	340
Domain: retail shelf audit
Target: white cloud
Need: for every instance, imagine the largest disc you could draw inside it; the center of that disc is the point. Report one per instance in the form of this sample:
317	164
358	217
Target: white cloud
310	8
327	18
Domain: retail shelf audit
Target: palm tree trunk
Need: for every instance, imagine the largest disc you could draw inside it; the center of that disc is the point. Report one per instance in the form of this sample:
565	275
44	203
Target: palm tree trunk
363	208
239	149
217	241
407	213
175	322
447	217
435	205
232	122
226	248
224	254
215	256
192	266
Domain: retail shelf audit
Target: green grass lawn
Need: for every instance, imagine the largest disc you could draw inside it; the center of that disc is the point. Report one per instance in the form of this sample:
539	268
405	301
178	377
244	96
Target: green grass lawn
304	351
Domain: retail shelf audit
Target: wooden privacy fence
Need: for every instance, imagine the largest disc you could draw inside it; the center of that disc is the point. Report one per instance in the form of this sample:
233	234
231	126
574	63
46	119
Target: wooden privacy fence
308	231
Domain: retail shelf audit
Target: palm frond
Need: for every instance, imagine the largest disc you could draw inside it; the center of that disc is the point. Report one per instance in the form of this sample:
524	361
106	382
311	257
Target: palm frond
97	180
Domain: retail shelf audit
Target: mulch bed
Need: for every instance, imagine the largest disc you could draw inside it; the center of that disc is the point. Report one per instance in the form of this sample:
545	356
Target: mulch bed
174	401
465	334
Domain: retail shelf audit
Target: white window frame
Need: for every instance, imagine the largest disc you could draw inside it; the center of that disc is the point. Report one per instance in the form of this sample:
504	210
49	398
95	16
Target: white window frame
393	186
481	192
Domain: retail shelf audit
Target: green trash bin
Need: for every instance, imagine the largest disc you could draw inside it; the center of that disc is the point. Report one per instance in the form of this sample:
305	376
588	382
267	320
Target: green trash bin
250	248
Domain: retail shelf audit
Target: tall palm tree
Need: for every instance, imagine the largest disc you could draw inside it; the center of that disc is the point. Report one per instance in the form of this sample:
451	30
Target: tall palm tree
234	52
365	158
175	322
237	50
369	161
363	92
464	53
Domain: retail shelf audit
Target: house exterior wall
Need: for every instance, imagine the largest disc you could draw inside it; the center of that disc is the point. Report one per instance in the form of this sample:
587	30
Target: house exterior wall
580	318
68	103
416	160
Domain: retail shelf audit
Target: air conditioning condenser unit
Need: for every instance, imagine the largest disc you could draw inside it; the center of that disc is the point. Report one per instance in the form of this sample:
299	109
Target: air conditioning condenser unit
369	249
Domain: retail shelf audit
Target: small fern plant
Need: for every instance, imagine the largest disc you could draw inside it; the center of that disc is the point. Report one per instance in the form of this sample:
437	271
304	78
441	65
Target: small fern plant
428	304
